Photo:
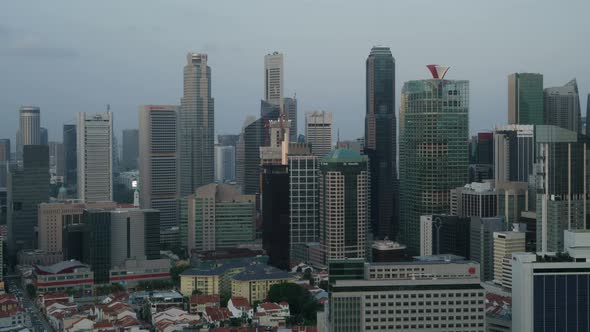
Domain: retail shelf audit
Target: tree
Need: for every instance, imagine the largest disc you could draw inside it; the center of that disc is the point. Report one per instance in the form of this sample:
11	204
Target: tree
302	305
197	292
175	272
324	285
308	276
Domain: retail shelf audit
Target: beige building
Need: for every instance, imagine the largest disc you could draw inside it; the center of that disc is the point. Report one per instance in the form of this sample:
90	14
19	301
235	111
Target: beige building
506	243
254	283
53	216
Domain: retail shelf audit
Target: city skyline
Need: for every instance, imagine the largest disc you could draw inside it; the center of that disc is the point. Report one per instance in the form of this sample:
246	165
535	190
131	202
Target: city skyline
321	81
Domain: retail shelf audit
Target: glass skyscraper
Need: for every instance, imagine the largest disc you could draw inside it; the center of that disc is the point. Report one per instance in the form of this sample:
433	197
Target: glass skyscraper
381	140
525	99
434	154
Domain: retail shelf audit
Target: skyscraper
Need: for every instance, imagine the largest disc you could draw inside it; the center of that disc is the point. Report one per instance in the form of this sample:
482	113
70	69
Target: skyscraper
290	108
95	156
196	124
96	243
158	166
482	243
248	155
381	140
70	156
562	106
344	205
273	78
434	157
130	149
588	116
56	158
44	134
225	163
275	214
525	99
28	186
514	153
4	161
29	132
318	132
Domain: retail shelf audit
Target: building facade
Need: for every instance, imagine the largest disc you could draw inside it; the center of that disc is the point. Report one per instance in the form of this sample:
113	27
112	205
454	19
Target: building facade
434	122
196	126
482	243
506	243
95	156
474	200
69	140
135	234
158	166
318	132
562	106
273	78
130	152
444	234
29	132
525	99
225	164
381	140
248	155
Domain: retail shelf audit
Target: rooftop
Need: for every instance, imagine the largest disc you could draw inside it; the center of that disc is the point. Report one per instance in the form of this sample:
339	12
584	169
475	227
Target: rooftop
343	155
262	272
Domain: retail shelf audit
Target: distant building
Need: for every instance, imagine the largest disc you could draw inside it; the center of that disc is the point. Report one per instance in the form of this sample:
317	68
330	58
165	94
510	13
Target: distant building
562	107
4	161
248	155
525	99
216	216
228	140
29	132
130	152
388	251
434	293
273	78
225	164
63	276
290	110
56	158
318	132
474	200
70	156
443	234
482	243
96	243
275	214
135	234
95	156
506	243
514	153
255	282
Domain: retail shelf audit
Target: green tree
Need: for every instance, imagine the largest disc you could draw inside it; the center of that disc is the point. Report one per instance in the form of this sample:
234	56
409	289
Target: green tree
302	305
324	285
175	272
308	276
197	292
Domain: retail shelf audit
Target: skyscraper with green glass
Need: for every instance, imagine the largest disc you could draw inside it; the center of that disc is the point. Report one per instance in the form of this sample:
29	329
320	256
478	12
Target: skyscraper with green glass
525	99
434	158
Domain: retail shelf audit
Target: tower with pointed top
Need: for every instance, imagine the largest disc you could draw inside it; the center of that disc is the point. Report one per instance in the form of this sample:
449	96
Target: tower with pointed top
562	106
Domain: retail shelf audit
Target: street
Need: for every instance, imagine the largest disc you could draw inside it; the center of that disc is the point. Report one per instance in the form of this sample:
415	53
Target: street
36	319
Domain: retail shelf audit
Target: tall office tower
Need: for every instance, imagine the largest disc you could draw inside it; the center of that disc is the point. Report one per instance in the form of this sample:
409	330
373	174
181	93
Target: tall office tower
290	110
514	153
268	112
506	243
248	155
275	151
474	200
275	214
96	243
318	132
445	295
482	168
225	164
344	205
273	78
130	152
588	116
562	192
228	140
135	234
434	121
215	217
482	243
95	156
44	134
381	140
70	156
304	225
525	99
552	294
29	132
562	106
56	158
158	166
196	124
4	161
28	186
443	234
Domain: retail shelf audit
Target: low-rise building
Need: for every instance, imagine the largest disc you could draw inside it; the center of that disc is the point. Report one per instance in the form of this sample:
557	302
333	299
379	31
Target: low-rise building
164	300
134	271
254	282
174	319
198	303
240	307
8	302
272	314
63	276
12	317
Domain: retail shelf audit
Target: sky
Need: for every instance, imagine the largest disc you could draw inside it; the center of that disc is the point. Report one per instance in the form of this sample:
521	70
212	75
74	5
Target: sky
68	56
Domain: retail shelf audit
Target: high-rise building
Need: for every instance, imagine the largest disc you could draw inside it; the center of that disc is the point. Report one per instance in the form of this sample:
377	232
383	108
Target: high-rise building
275	214
215	217
588	116
562	173
56	158
525	99
506	243
130	153
436	293
562	106
381	140
434	158
318	132
248	156
514	153
158	166
273	78
444	234
290	110
44	136
304	223
482	243
28	186
70	156
29	132
196	124
474	200
135	234
4	161
228	140
96	243
225	164
344	205
553	293
95	156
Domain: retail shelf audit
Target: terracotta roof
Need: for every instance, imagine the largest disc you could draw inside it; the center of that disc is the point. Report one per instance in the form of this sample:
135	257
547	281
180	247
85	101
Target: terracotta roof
240	302
55	296
11	312
269	306
204	299
127	321
218	314
104	324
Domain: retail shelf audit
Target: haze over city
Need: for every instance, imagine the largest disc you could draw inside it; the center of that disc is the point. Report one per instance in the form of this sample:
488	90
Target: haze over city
71	56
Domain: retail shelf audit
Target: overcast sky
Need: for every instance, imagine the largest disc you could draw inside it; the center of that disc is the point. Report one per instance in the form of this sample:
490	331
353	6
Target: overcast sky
72	56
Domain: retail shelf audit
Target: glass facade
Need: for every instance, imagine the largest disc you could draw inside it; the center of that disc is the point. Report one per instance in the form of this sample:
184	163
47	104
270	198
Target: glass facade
434	154
525	99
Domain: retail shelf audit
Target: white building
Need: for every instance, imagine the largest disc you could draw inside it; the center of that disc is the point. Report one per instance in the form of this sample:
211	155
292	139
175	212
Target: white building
318	132
273	78
505	243
95	156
